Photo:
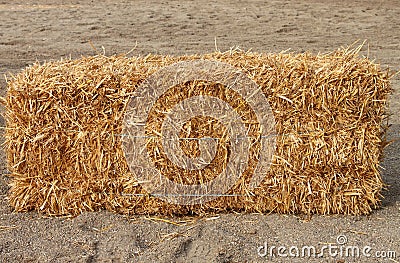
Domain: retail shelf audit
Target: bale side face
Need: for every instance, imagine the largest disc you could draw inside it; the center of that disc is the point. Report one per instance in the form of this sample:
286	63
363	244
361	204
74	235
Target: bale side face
64	121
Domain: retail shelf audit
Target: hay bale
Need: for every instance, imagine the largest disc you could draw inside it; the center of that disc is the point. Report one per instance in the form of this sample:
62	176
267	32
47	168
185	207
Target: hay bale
64	125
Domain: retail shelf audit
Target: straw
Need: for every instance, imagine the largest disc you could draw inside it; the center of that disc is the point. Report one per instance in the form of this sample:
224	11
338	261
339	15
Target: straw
65	122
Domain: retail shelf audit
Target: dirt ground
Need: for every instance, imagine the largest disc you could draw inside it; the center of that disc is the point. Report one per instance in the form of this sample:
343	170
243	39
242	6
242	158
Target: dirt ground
50	30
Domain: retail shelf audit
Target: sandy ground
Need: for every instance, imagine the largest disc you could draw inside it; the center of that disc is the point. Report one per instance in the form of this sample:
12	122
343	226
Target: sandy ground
51	30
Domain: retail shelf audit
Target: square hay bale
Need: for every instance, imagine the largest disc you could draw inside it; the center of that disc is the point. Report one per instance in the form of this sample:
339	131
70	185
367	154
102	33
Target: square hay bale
64	136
